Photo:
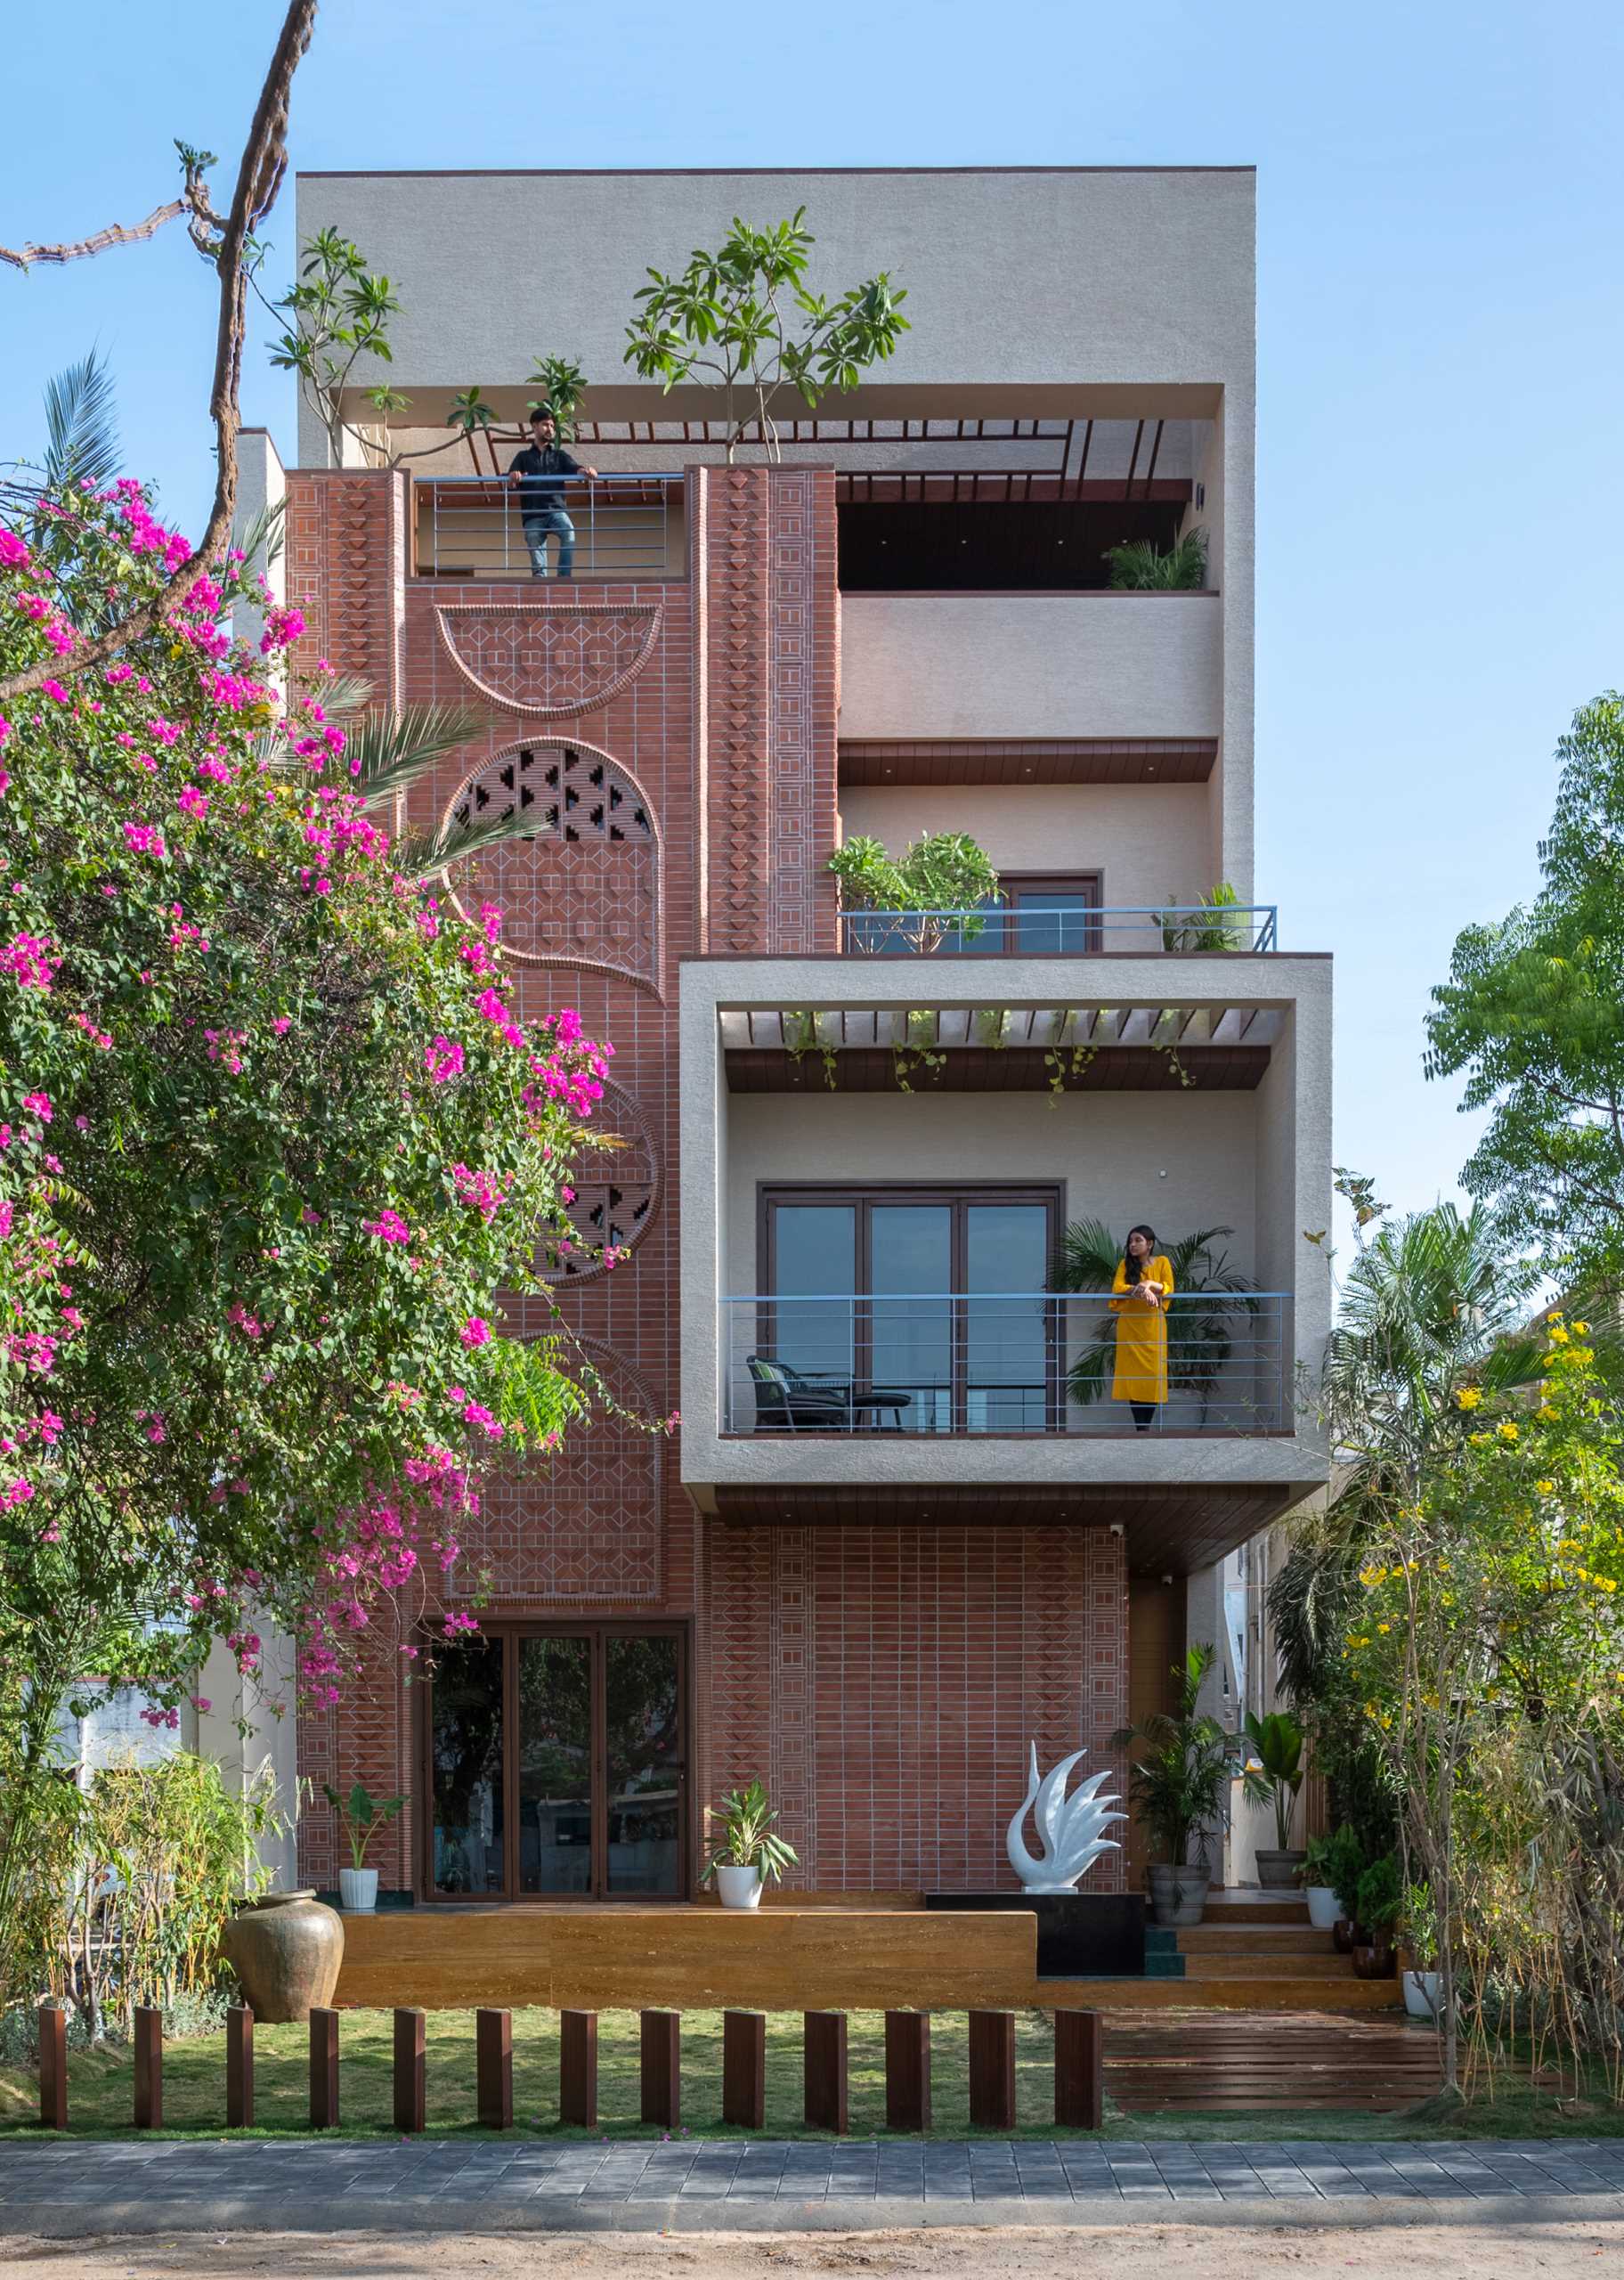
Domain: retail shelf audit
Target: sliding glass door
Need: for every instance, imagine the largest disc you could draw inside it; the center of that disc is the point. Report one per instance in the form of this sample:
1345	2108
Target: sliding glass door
557	1765
920	1310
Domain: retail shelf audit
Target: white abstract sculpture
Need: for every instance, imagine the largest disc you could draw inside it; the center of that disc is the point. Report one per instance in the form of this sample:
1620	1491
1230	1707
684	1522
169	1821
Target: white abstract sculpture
1068	1827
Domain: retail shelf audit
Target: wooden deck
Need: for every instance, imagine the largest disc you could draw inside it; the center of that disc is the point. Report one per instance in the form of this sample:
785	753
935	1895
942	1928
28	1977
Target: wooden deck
828	1951
1176	2062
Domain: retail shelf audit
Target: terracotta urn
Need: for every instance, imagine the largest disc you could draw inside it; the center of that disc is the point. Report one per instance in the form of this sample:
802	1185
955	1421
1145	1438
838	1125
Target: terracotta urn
286	1948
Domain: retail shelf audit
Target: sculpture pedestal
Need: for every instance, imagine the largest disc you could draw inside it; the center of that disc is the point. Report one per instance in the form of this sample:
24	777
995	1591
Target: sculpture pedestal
1080	1934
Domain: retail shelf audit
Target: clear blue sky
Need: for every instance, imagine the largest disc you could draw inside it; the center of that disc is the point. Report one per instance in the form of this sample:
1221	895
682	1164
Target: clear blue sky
1442	337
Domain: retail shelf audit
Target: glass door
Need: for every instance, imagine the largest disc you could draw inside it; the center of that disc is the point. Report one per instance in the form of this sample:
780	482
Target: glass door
574	1741
910	1312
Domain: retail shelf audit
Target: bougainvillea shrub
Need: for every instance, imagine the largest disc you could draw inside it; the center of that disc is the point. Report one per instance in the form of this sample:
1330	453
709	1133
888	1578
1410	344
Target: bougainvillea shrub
271	1142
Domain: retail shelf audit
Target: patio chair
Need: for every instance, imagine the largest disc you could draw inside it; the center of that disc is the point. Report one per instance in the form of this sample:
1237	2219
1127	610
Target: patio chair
795	1401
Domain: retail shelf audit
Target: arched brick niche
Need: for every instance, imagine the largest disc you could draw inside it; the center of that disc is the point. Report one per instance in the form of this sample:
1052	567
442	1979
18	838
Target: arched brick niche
546	658
581	886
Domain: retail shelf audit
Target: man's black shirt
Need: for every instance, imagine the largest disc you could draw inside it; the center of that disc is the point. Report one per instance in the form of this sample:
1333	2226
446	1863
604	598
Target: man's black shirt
543	468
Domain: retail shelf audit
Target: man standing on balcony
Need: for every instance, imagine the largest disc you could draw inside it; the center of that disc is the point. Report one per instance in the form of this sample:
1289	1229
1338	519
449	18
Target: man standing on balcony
538	472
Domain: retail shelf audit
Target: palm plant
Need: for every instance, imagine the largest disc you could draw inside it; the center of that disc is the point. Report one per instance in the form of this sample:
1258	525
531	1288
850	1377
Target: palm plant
1179	1784
1433	1307
1206	1298
1277	1740
1230	928
1139	566
81	427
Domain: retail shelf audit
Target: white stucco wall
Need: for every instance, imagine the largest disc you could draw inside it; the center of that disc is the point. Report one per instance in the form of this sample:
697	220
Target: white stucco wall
1020	278
1103	664
1178	1160
1150	843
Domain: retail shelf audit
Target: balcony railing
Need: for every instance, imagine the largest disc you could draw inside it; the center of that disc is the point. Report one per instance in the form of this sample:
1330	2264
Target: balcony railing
1025	1363
1057	930
625	527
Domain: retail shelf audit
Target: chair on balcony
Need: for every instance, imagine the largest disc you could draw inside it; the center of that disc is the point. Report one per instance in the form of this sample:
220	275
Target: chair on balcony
791	1401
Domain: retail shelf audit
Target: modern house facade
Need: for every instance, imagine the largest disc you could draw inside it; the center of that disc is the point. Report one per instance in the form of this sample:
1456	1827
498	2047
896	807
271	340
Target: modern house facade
902	1529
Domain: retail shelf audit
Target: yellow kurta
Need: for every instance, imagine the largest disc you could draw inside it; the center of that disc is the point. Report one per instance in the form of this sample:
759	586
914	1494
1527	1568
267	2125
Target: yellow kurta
1142	1334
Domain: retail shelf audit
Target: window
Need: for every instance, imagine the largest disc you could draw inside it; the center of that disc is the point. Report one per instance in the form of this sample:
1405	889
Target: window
921	1310
557	1765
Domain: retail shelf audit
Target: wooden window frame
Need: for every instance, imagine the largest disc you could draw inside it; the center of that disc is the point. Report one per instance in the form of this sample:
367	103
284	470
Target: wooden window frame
510	1630
1049	1194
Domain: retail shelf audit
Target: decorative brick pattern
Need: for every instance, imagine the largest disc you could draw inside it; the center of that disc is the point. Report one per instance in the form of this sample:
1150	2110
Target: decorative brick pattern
736	774
583	888
551	660
886	1681
613	1210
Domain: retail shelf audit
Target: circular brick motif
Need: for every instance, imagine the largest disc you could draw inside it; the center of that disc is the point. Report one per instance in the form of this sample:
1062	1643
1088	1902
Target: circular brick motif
552	659
617	1194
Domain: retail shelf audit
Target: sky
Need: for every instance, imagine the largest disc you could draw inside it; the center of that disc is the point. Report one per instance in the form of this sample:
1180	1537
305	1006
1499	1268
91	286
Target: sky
1441	329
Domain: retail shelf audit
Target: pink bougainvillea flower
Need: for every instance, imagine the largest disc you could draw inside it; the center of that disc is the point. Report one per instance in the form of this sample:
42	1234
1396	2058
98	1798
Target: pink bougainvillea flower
475	1331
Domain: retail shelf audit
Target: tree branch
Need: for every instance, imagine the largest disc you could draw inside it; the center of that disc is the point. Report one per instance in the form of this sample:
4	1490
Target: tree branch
25	256
265	159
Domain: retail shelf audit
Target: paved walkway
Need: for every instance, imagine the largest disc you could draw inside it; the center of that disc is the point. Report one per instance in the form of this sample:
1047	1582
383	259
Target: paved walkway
424	2184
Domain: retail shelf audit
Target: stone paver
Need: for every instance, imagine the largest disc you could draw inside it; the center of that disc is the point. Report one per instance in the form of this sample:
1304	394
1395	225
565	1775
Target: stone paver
762	2184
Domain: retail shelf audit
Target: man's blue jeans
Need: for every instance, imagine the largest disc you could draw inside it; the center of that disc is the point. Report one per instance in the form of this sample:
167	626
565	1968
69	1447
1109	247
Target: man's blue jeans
537	528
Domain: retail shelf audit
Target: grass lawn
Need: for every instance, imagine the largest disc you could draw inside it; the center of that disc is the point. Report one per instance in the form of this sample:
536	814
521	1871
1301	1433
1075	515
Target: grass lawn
194	2088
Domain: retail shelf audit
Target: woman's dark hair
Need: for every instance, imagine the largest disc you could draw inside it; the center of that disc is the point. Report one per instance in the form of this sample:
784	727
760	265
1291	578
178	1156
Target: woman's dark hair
1132	1268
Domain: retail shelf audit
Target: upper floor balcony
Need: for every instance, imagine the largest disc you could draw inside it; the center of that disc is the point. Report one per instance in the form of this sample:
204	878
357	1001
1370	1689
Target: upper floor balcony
879	1177
1060	918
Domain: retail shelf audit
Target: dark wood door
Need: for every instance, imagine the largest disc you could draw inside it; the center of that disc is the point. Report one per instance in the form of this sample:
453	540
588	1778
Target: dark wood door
1156	1642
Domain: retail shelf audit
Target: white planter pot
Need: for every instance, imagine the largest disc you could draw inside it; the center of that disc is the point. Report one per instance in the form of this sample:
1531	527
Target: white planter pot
358	1890
1323	1906
1421	1990
739	1887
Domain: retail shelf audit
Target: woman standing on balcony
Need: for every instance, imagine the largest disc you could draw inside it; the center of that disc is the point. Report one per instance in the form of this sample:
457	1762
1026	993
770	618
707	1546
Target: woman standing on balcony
1140	1292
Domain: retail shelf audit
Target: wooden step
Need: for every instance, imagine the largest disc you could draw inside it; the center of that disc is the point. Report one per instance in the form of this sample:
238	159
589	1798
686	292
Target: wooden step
1194	2061
1255	1940
1265	1992
1250	1904
1328	1965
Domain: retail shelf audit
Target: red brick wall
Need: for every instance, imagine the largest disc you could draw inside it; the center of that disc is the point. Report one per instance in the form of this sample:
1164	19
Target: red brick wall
885	1682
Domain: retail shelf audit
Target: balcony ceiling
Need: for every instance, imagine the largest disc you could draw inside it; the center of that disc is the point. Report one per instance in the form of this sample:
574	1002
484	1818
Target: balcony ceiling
1168	1531
1135	1048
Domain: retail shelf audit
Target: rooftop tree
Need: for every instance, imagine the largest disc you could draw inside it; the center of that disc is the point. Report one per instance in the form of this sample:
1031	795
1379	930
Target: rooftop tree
744	319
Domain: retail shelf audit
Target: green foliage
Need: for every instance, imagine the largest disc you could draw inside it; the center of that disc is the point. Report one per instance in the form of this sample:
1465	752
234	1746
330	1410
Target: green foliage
1228	929
935	879
82	448
276	1146
1198	1330
563	385
126	1884
1487	1649
729	319
1419	1922
360	1816
1140	566
1380	1897
1532	1014
1275	1781
339	313
749	1840
1179	1784
1345	1868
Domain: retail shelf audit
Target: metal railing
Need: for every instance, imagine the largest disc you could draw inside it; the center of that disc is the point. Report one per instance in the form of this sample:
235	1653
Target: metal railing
1056	930
1039	1362
621	526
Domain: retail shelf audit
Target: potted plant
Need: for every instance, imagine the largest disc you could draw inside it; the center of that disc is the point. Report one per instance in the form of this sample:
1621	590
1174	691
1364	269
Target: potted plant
1324	1907
1381	1898
750	1852
1423	1980
1275	1781
1177	1787
1345	1868
361	1815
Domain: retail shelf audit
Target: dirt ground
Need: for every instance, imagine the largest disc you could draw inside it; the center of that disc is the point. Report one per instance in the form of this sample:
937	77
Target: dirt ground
1488	2252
